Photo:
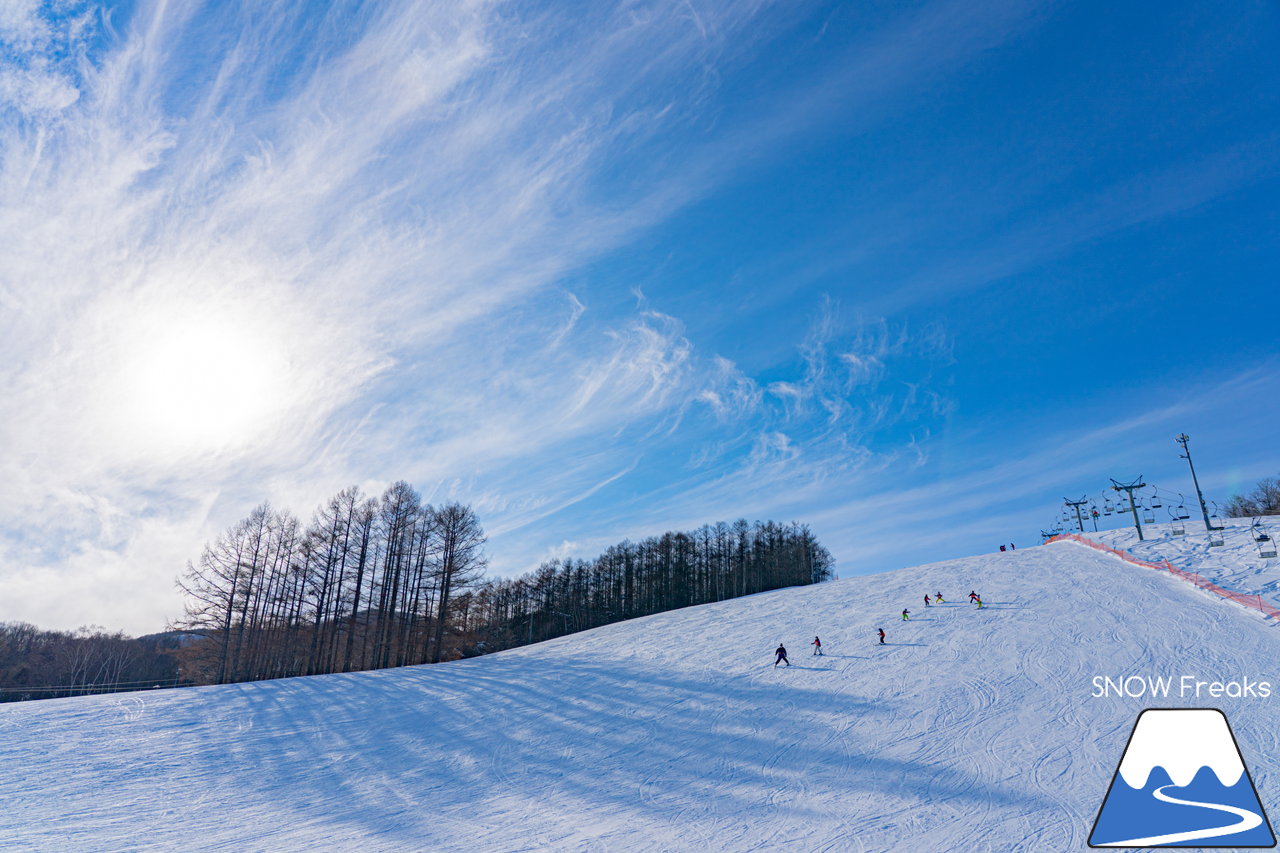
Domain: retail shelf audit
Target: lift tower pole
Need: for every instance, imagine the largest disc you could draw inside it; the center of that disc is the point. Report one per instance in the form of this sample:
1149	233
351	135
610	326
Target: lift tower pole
1131	488
1076	506
1186	454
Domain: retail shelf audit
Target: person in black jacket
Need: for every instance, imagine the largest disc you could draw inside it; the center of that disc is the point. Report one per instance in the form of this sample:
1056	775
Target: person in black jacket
782	655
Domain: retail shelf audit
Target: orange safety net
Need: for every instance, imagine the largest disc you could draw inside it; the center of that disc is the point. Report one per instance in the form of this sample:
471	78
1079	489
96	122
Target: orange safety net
1253	602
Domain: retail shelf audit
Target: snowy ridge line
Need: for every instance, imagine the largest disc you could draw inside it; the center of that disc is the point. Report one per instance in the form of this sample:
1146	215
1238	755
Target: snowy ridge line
1252	601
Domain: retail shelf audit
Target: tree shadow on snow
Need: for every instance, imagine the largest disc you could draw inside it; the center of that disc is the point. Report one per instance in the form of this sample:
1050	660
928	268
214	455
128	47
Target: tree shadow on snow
454	756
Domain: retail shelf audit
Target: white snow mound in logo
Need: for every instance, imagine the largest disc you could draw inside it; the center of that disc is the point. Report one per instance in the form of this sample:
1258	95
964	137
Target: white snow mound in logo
1181	742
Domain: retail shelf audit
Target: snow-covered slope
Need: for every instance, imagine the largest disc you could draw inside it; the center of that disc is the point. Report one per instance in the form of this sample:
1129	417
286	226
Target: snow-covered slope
973	730
1237	564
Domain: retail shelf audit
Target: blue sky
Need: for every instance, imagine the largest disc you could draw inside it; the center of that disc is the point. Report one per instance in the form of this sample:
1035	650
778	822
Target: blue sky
910	273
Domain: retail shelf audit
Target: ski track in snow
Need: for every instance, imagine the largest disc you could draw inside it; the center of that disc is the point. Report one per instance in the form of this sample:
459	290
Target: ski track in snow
973	730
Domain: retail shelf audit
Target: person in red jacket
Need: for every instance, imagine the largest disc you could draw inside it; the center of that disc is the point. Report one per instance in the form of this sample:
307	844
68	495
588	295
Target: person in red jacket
882	636
926	599
817	646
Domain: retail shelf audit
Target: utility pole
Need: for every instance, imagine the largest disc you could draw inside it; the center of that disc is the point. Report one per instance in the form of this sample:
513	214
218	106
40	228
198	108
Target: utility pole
1131	488
1186	454
1076	506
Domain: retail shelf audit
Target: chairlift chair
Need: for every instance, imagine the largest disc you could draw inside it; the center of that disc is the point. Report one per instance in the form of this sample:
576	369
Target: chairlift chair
1180	511
1266	545
1215	538
1177	528
1155	501
1148	517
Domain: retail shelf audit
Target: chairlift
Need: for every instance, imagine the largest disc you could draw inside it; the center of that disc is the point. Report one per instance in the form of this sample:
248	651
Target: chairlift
1267	548
1180	511
1215	538
1148	517
1266	545
1177	528
1155	500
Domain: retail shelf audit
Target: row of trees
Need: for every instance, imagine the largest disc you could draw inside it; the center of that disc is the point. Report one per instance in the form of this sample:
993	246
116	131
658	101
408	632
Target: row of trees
1263	500
36	664
367	583
661	573
371	583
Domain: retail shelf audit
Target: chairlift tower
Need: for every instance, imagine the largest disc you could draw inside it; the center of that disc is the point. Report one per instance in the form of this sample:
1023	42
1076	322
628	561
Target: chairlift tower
1130	488
1076	506
1186	454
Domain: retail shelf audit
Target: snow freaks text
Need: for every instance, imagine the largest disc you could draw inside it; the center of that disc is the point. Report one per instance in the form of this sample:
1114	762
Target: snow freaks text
1183	687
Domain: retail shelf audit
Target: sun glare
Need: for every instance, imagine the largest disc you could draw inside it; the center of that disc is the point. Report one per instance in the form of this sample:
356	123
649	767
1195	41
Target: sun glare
200	381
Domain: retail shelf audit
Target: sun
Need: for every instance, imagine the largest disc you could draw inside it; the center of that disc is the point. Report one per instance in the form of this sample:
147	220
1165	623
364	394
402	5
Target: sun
200	377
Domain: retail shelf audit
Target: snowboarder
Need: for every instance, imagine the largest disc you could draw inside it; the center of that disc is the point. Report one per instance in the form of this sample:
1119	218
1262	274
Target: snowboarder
979	602
926	599
817	646
973	596
905	611
937	599
782	655
1002	549
882	636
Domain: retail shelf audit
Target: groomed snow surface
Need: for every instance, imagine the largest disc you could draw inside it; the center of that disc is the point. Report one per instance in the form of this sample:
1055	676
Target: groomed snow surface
1237	564
973	730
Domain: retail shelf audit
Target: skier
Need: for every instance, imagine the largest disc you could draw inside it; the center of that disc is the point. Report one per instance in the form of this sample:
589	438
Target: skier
882	636
817	646
1002	549
782	655
937	599
905	611
973	596
1012	547
926	599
